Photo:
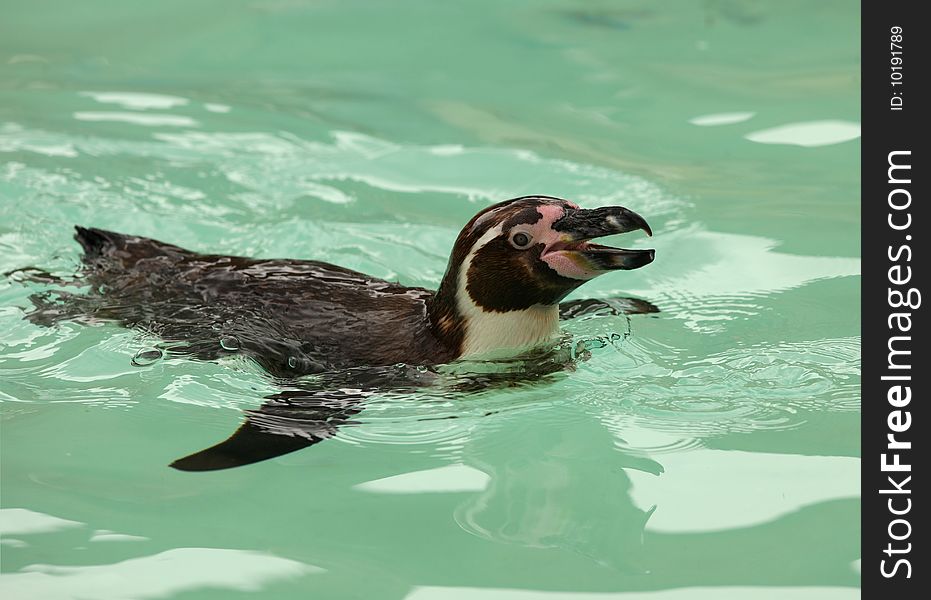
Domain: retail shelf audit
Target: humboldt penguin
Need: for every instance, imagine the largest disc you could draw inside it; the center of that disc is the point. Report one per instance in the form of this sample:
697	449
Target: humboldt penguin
510	267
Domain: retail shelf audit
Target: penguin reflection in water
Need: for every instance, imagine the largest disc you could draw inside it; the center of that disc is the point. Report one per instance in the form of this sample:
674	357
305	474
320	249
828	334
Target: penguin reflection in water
337	336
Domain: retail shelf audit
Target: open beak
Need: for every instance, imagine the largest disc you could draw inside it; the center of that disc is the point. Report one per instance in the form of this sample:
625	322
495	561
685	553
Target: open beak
579	226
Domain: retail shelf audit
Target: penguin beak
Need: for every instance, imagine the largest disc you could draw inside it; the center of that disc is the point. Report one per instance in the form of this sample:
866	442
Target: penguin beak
579	226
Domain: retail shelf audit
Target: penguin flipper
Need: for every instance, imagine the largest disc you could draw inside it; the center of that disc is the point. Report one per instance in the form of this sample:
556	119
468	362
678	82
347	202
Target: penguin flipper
287	422
590	307
251	443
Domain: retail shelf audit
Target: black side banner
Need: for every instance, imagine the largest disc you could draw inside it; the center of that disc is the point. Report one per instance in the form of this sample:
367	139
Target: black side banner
896	370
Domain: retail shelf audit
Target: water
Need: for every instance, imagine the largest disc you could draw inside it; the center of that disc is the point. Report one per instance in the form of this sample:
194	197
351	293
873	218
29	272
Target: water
711	453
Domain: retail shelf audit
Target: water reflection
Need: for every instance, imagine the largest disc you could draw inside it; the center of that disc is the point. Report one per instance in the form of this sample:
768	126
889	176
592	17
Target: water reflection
147	120
158	575
137	100
693	518
721	119
715	521
810	133
555	490
451	478
741	490
22	521
704	593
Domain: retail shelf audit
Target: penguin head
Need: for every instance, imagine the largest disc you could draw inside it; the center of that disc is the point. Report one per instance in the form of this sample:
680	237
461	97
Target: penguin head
515	261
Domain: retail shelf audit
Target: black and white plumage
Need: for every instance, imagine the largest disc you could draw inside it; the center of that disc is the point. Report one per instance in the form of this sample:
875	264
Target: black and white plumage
510	267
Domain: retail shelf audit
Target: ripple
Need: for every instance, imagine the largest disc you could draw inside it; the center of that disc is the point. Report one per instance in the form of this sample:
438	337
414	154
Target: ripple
463	397
421	418
218	390
110	359
284	167
647	387
647	442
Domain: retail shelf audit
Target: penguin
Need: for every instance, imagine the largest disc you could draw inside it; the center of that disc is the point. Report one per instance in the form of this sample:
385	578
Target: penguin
510	268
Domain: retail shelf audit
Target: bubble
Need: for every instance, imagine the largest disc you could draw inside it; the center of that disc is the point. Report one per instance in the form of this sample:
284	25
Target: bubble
146	357
230	343
595	343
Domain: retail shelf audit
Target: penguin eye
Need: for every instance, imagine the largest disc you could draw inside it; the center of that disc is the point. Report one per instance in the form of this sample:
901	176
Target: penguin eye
521	240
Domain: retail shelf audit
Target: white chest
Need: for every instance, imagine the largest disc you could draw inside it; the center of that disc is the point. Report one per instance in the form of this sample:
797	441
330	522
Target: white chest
486	332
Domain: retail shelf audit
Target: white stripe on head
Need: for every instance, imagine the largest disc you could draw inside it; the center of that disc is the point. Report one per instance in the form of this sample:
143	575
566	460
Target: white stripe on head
488	331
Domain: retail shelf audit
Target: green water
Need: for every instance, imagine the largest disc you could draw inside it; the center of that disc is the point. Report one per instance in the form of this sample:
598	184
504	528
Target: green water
711	454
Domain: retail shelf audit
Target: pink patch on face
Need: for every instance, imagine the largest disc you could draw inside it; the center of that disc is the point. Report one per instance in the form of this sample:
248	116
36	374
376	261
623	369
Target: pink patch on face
569	264
551	213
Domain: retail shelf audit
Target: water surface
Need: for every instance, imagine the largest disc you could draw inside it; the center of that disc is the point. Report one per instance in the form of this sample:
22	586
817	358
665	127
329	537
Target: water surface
709	451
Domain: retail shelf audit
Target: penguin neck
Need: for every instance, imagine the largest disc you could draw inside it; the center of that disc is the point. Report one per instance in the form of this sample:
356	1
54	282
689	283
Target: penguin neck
472	330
